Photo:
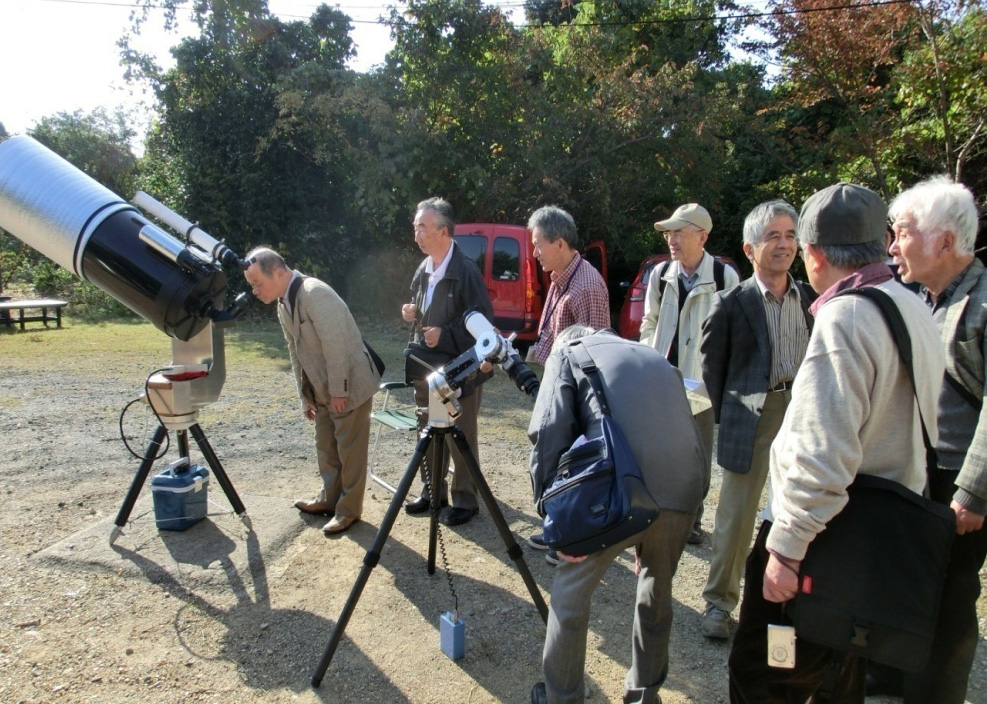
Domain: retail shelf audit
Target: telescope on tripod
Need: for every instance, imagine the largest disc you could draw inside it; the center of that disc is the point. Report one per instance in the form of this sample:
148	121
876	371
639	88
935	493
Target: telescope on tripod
445	386
178	286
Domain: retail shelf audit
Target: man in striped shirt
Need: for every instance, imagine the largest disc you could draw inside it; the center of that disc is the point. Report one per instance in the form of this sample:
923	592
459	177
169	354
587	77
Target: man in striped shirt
753	342
577	296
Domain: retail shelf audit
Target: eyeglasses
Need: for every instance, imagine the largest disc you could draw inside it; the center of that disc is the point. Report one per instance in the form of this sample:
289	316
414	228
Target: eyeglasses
679	234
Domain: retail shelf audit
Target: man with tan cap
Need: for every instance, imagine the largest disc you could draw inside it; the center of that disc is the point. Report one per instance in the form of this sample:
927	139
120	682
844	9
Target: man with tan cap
853	411
680	294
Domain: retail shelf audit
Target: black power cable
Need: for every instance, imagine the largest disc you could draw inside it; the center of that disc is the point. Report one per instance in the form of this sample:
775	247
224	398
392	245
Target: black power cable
123	434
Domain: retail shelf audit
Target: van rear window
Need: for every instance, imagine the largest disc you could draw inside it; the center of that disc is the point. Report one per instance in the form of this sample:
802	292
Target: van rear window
506	259
474	247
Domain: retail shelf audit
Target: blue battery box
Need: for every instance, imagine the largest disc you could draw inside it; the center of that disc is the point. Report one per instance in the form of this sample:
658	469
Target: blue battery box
452	635
180	495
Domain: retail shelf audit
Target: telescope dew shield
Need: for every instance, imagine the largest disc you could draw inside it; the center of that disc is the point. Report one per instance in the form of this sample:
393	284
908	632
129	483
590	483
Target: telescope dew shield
89	230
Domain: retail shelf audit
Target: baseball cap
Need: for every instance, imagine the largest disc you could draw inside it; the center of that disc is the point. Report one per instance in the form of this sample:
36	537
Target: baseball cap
841	214
688	214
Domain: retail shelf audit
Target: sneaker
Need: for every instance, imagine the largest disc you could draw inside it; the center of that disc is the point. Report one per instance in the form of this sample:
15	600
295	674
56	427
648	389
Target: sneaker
537	541
552	558
696	536
716	623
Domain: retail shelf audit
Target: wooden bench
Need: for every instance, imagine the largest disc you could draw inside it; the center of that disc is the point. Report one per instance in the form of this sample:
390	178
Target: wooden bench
15	311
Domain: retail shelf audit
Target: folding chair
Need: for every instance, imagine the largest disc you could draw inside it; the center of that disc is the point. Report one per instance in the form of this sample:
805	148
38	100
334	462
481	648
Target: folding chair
397	418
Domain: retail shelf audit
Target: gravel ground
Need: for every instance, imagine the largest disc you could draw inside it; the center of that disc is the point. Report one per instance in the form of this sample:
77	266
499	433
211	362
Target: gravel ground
164	619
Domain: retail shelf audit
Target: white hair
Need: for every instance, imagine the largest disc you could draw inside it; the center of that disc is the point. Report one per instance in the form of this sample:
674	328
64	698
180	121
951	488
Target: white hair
938	204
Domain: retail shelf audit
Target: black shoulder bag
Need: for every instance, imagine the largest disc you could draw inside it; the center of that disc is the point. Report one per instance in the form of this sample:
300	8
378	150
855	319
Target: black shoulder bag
599	497
871	581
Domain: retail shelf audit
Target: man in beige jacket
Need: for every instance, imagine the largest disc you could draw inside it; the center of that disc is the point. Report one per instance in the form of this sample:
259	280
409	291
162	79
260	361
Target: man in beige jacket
336	380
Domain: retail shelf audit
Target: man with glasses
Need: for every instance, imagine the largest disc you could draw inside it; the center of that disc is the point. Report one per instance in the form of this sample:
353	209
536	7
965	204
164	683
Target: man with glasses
680	295
753	342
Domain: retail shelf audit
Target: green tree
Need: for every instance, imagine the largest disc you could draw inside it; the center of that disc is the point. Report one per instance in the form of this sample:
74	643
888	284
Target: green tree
222	152
941	94
97	143
834	106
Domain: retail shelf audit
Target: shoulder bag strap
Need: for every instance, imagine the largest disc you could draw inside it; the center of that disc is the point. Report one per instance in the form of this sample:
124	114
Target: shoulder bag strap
899	332
586	363
293	291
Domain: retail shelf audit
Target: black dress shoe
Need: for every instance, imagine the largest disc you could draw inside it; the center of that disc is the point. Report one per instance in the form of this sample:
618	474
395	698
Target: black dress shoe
538	694
457	516
421	504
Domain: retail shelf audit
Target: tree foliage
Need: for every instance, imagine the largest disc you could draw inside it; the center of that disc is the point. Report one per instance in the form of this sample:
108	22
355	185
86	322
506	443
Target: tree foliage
617	110
941	94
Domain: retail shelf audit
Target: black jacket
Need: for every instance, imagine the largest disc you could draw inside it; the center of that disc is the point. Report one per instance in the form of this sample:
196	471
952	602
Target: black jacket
460	291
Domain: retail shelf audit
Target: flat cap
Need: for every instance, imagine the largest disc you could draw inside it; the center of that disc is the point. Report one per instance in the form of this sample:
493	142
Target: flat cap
843	213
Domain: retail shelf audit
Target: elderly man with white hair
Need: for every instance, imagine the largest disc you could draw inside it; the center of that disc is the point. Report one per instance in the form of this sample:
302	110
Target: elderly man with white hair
935	227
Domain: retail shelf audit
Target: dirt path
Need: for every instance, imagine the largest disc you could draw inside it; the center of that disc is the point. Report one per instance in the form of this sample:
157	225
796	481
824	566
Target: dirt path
168	624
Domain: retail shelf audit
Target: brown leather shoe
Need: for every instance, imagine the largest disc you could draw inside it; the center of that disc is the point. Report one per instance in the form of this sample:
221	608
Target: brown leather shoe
339	525
319	508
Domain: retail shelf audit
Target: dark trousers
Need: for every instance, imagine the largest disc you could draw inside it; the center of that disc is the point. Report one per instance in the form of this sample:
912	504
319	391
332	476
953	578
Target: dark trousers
753	682
944	678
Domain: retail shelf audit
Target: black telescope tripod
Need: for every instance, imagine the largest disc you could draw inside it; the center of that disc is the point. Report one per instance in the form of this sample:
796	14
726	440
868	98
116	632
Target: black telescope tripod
432	438
176	397
150	456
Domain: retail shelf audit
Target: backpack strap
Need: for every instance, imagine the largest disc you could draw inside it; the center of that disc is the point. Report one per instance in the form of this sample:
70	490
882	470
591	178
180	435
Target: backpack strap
719	274
662	268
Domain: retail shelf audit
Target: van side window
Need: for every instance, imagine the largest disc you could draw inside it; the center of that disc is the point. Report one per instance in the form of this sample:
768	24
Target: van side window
506	259
474	247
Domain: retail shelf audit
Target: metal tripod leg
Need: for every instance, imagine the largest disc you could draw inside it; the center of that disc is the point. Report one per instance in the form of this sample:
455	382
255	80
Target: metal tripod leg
513	549
150	455
372	557
217	468
373	554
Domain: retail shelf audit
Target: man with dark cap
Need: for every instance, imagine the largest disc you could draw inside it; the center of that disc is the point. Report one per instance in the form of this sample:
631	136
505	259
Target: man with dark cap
853	411
680	294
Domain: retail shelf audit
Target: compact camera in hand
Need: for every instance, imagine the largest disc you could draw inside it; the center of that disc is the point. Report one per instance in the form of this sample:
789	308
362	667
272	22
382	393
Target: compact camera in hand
781	646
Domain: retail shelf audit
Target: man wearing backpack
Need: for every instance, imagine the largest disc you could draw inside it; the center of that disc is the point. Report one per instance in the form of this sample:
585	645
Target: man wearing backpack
640	386
680	294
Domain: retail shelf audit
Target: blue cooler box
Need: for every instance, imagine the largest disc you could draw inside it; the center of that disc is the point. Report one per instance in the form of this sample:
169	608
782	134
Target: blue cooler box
181	495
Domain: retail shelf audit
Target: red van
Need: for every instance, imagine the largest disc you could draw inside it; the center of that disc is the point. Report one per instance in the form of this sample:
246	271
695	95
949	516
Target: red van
515	280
